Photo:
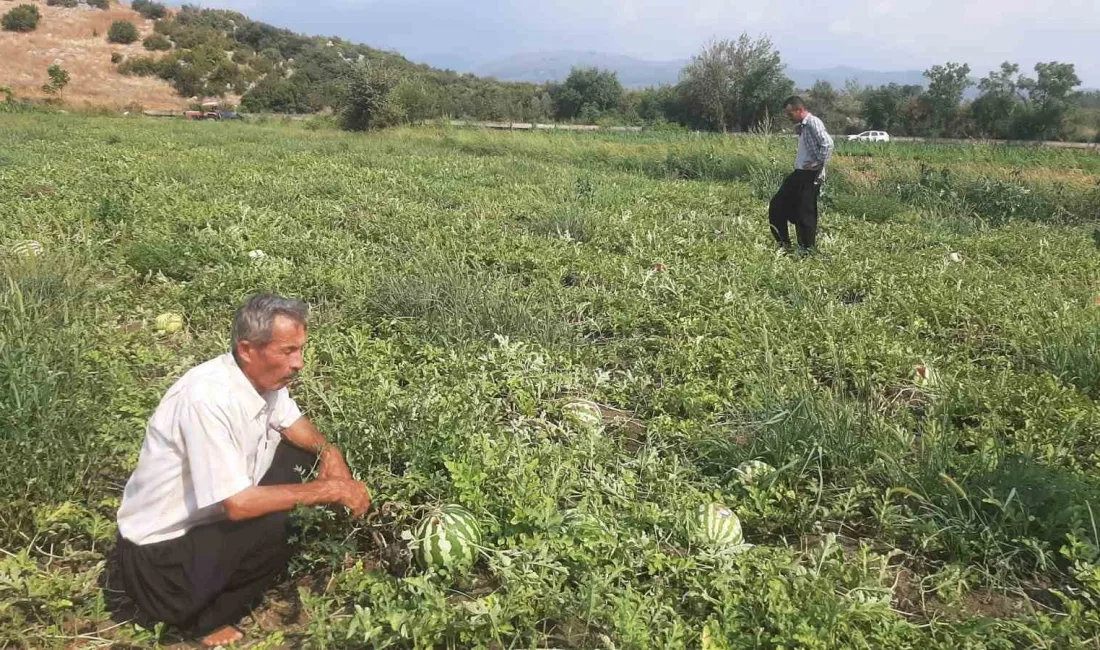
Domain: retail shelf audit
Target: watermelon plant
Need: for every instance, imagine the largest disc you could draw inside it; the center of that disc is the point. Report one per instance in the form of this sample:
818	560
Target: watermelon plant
580	338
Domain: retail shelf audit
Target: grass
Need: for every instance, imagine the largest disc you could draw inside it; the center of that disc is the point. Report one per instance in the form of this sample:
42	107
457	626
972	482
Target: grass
464	283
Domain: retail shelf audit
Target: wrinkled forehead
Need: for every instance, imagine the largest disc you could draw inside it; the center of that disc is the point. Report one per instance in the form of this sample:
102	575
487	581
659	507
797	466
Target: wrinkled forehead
287	331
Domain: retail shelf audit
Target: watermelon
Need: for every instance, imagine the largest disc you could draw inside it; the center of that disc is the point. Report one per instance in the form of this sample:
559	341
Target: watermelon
718	526
580	524
583	414
448	537
169	323
28	248
751	470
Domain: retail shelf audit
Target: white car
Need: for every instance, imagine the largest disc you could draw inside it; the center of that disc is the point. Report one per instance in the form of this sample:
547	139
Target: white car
871	136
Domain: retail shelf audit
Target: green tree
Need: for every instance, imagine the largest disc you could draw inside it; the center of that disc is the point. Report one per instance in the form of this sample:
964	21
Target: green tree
23	18
893	108
369	104
996	109
600	90
100	4
946	85
122	31
59	78
414	99
1049	101
735	84
823	99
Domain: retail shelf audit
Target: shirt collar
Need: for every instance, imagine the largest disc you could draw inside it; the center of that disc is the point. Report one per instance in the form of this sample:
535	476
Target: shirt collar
253	400
807	118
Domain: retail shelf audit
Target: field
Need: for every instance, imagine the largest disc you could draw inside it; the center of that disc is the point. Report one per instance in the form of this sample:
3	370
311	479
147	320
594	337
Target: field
464	283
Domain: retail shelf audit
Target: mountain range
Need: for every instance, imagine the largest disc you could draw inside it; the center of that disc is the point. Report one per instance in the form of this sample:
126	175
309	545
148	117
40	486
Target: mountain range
537	67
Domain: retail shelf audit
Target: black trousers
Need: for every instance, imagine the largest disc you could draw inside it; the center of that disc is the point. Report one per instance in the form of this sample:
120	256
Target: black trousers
214	574
796	202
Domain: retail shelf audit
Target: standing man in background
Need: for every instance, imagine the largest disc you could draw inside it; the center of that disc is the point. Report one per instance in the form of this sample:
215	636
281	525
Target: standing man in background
796	200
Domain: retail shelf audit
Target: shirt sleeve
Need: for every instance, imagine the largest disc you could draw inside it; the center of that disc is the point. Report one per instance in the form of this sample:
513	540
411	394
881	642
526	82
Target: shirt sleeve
286	410
822	142
217	464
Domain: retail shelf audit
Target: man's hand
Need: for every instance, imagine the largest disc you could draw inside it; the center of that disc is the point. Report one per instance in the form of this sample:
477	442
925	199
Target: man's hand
351	494
332	465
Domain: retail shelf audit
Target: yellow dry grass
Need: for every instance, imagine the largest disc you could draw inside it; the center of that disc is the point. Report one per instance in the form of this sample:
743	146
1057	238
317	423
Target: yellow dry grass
76	39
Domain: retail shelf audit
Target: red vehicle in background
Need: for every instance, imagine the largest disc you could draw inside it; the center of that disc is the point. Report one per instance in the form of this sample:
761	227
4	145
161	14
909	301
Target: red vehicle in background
210	111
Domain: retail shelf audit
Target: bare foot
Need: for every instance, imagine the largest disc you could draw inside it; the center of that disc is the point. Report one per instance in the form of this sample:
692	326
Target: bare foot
222	636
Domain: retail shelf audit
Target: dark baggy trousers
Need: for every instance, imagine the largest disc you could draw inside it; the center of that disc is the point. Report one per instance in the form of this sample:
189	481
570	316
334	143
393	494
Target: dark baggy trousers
212	576
796	202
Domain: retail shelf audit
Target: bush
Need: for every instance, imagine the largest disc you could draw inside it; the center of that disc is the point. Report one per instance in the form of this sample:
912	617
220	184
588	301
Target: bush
116	57
151	10
23	18
143	66
157	42
100	4
68	4
368	104
122	31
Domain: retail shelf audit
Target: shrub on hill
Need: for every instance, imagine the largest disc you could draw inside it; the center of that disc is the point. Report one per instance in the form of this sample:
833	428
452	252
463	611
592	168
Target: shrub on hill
68	4
23	18
122	31
149	9
157	42
100	4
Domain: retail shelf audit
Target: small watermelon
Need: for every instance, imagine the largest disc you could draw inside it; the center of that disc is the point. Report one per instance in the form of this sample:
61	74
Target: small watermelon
168	323
751	470
583	414
718	526
580	524
448	537
29	248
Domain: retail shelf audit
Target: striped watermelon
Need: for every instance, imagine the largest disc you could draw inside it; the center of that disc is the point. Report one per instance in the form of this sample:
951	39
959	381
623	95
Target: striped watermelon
28	248
448	537
751	470
169	322
583	414
719	526
580	524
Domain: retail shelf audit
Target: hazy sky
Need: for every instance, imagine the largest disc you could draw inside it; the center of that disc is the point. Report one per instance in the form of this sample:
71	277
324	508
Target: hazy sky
873	34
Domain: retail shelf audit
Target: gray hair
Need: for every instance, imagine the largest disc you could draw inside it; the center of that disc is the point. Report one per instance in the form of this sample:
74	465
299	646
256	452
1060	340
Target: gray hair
255	319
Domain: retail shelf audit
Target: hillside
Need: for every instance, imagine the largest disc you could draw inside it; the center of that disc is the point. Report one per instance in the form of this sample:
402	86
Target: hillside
76	40
224	54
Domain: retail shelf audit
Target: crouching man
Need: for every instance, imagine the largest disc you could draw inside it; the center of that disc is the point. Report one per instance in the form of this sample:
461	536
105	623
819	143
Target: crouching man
203	521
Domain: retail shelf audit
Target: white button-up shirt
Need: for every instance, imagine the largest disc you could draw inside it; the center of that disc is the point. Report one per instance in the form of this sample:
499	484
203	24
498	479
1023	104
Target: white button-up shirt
211	437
